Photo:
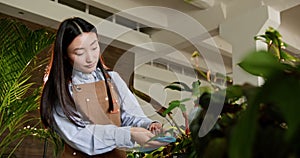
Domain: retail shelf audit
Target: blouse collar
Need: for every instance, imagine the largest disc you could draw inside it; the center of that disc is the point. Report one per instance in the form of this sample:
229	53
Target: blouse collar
79	77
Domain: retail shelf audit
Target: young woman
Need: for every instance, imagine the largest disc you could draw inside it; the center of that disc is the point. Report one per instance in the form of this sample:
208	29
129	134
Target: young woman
90	107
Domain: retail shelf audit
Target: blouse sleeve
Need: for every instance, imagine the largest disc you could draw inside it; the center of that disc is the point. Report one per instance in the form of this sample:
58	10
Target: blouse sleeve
131	112
93	139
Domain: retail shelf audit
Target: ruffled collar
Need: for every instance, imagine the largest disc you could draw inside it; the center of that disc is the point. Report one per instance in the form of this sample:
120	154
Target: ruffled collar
79	77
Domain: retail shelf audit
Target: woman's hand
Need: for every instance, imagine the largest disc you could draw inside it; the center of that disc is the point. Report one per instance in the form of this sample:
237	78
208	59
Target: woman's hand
156	128
142	137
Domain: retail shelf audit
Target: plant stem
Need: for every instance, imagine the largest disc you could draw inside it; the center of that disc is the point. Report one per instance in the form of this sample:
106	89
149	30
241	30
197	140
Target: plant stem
176	125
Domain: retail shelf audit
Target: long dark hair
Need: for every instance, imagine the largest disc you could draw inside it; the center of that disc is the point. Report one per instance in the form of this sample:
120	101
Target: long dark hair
55	90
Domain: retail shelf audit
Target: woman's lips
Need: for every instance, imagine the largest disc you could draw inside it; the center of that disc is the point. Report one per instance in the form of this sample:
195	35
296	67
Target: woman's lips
90	65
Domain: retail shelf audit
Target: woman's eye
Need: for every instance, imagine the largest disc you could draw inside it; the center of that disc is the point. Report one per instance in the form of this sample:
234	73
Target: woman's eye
94	48
78	54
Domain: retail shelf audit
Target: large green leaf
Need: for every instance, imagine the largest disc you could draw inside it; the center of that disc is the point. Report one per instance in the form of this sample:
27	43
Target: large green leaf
286	96
243	135
262	63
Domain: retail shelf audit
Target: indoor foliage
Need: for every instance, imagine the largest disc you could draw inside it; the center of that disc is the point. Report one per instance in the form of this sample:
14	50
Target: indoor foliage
19	95
256	121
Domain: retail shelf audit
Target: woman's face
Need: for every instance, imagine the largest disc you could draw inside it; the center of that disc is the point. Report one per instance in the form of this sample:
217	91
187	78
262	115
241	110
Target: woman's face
84	52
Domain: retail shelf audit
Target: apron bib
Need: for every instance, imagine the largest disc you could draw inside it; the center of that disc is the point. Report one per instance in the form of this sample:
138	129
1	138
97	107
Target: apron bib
92	102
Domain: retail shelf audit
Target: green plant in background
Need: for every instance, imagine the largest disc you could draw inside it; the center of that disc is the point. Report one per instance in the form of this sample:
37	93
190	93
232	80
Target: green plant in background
275	45
184	145
273	108
256	121
19	95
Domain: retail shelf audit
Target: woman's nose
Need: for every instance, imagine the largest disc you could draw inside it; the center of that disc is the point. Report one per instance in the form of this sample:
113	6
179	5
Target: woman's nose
88	58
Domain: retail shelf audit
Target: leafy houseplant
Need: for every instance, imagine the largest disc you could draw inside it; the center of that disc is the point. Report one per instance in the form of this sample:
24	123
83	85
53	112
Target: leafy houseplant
19	94
273	107
256	121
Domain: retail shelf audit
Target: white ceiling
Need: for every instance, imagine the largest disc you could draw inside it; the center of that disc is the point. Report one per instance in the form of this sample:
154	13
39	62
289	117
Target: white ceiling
210	18
219	12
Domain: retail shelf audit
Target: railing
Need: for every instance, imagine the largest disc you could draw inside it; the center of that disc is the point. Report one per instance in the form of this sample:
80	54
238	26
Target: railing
92	10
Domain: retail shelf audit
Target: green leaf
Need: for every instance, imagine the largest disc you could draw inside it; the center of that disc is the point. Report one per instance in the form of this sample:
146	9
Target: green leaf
235	91
173	104
174	87
243	134
263	38
261	63
196	88
180	86
19	47
286	96
207	89
286	56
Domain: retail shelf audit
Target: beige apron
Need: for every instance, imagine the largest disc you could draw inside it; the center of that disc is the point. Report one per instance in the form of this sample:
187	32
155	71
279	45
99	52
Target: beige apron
92	102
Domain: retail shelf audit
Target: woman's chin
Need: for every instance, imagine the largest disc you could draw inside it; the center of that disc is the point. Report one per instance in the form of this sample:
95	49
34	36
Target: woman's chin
87	70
